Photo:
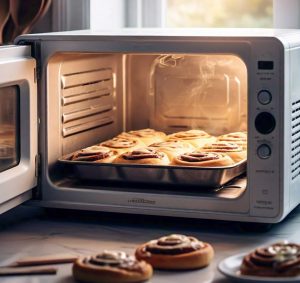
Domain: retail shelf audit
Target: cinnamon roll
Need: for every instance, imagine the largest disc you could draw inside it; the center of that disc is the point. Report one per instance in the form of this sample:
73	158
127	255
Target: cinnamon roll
7	151
197	138
176	252
95	153
234	151
121	145
277	260
110	267
173	148
143	156
203	159
7	135
147	136
240	138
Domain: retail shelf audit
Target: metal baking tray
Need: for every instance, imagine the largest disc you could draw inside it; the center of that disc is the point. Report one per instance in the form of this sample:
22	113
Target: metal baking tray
209	177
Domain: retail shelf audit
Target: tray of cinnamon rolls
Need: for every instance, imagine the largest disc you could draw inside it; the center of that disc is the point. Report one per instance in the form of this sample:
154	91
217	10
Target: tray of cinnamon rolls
191	157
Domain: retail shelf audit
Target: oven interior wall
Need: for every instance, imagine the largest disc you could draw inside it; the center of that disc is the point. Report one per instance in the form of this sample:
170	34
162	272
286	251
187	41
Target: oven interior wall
93	97
177	92
84	89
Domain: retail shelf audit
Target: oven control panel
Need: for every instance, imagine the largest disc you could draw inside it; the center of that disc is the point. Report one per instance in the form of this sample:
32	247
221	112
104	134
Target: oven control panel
264	97
265	123
265	128
264	151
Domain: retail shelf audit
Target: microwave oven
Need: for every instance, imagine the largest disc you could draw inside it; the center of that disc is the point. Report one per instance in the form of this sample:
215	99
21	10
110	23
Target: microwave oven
60	92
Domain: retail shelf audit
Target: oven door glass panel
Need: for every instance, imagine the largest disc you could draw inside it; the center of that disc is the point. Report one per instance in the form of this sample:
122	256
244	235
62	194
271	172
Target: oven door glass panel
18	126
9	127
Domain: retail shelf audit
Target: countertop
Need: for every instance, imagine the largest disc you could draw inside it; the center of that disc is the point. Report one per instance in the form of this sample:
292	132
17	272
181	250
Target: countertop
30	231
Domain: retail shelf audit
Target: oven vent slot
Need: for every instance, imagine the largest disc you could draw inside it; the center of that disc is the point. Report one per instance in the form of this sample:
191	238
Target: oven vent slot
87	100
78	79
77	128
85	92
295	140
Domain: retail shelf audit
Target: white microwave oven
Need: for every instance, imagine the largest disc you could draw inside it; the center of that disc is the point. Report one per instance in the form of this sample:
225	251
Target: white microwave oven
60	92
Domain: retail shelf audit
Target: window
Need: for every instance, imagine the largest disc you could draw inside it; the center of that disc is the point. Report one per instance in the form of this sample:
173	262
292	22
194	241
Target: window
100	14
219	13
194	13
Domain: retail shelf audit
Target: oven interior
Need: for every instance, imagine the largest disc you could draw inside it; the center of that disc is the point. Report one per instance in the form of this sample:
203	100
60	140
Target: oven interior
93	97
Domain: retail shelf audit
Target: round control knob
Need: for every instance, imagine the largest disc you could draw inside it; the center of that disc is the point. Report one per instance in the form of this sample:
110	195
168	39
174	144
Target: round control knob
265	123
264	97
264	151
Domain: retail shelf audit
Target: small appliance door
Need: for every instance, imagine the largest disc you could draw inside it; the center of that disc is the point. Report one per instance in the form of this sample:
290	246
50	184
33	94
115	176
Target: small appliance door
18	126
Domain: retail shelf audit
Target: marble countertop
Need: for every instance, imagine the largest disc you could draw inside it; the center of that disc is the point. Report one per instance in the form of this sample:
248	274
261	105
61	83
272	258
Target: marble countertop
30	231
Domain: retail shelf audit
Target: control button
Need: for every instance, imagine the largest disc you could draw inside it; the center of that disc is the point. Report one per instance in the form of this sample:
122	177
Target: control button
265	123
264	151
264	97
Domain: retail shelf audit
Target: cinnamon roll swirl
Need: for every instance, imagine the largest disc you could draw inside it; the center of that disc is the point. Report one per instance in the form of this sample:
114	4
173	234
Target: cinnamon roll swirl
121	145
277	260
234	151
143	156
95	153
176	252
197	138
111	266
147	136
173	148
239	138
203	159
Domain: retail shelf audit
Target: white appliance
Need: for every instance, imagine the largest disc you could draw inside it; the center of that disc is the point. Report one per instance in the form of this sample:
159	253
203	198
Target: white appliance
60	92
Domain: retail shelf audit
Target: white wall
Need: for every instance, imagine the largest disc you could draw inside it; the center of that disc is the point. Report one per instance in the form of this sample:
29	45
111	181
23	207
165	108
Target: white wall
286	13
107	14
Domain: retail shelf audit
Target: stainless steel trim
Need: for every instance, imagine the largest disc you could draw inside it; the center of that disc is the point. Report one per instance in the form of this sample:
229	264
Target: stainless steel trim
202	177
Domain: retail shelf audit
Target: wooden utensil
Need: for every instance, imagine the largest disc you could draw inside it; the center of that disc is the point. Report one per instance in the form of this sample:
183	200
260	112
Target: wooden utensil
4	15
37	270
44	260
8	31
44	9
25	14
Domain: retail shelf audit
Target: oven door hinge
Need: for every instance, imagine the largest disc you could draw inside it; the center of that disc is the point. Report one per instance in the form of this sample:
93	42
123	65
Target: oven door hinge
36	75
37	165
37	191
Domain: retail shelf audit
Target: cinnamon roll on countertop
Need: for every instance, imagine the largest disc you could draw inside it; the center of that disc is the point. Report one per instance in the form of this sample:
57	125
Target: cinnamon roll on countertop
277	260
111	267
176	252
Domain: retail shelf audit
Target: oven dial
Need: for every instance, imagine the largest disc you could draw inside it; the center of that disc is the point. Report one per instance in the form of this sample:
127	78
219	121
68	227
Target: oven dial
265	123
264	97
264	151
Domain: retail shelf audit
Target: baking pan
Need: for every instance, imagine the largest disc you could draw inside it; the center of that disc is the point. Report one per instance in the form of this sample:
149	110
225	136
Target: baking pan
157	174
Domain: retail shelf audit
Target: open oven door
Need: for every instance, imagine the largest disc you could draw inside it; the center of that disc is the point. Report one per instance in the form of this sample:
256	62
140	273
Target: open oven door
18	126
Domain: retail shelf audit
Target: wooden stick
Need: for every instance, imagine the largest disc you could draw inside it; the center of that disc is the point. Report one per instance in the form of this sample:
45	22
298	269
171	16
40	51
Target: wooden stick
33	270
44	260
